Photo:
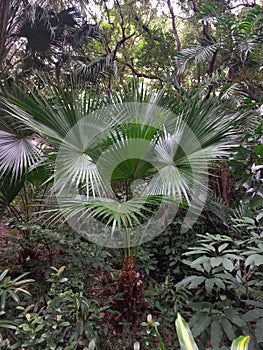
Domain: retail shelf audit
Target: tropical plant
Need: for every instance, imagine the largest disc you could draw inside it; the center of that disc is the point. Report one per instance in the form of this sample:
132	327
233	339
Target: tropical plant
225	290
49	40
185	336
11	289
168	151
64	320
231	46
215	264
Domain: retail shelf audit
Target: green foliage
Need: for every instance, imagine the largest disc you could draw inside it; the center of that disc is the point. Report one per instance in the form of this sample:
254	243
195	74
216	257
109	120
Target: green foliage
228	44
11	289
214	271
204	131
185	336
226	270
64	320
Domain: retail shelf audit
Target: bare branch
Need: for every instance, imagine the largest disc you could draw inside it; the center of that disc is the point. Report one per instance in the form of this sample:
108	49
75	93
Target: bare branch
142	75
120	43
245	3
175	32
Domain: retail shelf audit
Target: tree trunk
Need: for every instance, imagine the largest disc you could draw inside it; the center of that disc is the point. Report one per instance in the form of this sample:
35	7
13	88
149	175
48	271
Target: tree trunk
176	35
130	286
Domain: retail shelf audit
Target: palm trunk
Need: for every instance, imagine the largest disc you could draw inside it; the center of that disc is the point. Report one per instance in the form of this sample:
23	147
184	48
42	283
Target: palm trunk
131	287
129	281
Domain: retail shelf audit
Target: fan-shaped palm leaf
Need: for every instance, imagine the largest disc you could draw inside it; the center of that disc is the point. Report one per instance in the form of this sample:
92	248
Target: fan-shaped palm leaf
18	153
124	141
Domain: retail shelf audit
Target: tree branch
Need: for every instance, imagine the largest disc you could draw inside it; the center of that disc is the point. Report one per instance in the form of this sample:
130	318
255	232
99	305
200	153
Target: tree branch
120	43
175	32
246	4
142	75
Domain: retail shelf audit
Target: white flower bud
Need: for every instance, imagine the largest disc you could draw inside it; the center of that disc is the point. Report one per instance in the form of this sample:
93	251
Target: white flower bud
136	346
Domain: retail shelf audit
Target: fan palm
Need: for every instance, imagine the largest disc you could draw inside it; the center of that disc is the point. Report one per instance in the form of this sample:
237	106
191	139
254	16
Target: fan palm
126	164
54	39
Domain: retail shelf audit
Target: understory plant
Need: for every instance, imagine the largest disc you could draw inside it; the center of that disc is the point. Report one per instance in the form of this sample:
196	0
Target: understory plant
10	290
185	336
225	284
62	319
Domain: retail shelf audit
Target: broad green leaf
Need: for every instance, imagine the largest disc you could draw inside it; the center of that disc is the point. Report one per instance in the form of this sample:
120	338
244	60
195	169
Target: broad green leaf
195	251
259	216
259	330
209	284
200	260
193	281
234	317
222	247
257	259
215	262
216	334
209	247
184	334
219	283
201	323
196	282
228	328
253	315
227	263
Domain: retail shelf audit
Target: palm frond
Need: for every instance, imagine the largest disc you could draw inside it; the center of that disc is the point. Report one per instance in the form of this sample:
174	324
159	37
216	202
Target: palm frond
94	148
232	91
52	112
105	218
43	28
18	153
94	69
83	34
199	54
213	124
36	27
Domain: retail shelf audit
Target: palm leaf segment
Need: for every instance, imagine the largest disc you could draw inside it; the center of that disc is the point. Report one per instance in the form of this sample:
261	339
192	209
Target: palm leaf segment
18	151
103	153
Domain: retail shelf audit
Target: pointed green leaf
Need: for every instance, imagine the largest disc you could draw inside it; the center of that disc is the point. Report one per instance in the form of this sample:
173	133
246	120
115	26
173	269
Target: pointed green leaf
228	328
216	334
257	259
184	334
259	330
